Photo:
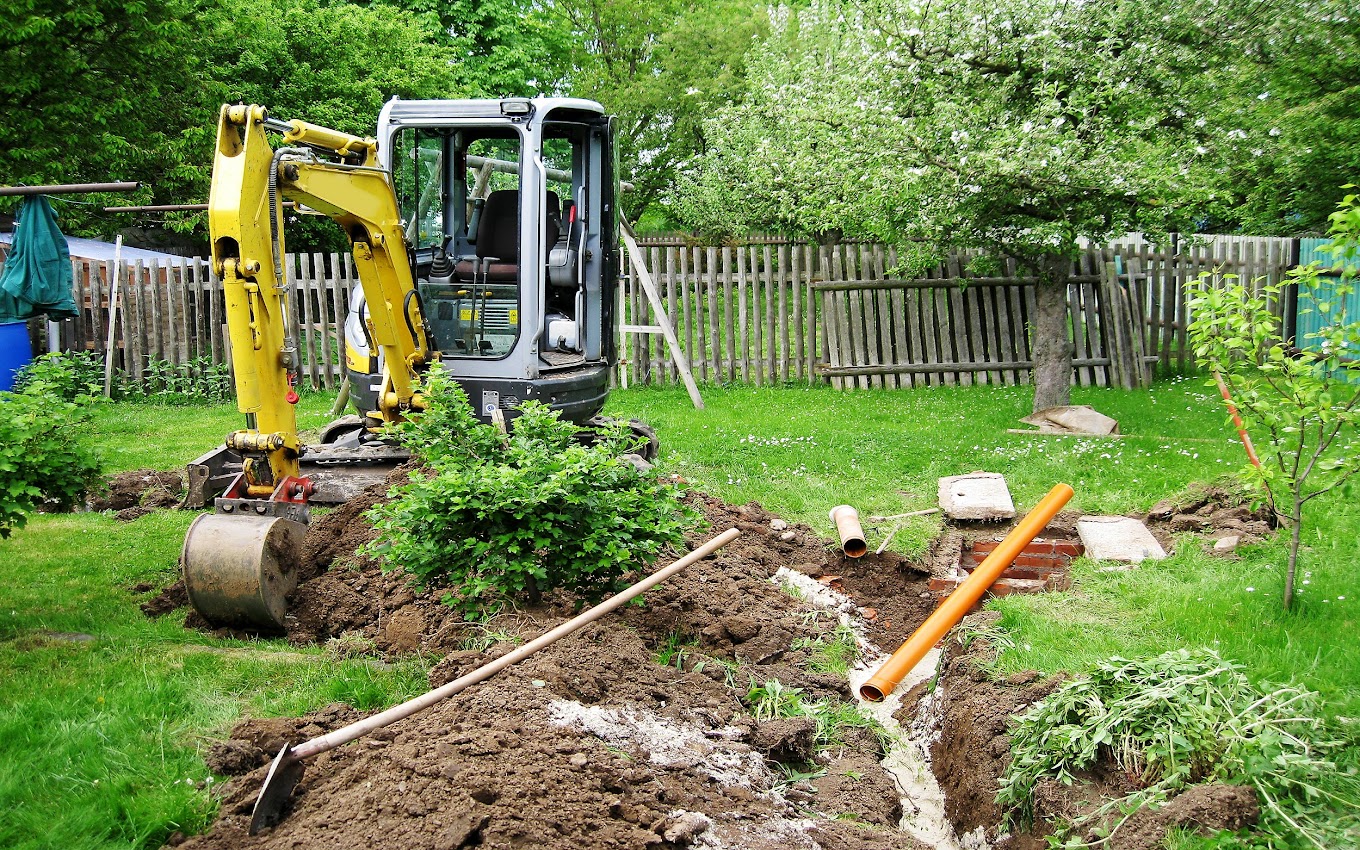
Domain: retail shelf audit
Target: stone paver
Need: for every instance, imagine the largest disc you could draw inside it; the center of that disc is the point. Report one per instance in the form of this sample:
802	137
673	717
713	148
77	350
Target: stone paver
976	496
1118	538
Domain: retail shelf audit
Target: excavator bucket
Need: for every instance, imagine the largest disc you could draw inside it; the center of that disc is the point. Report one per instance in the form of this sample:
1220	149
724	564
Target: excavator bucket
239	569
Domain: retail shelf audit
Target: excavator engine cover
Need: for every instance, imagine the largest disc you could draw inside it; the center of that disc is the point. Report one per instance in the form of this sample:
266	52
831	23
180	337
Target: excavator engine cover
239	569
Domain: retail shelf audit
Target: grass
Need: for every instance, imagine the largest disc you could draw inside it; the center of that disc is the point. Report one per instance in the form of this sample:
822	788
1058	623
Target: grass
135	435
800	451
100	735
831	653
105	712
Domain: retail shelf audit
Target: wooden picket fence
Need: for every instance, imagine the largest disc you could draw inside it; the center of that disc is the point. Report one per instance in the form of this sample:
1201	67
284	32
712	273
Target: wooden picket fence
781	311
173	312
771	312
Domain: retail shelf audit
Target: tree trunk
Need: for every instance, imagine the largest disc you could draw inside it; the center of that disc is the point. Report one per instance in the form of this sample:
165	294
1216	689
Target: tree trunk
1051	344
1297	520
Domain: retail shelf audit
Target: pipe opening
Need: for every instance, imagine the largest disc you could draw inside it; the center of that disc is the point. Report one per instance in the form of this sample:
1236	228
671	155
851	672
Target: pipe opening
850	531
869	693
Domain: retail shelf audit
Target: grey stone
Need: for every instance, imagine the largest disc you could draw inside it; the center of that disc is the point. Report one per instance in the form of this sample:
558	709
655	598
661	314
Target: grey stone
1118	538
778	525
976	496
1227	545
788	537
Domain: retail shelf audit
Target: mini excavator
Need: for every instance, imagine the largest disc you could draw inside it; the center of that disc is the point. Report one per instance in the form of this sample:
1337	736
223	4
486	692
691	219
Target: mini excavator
485	237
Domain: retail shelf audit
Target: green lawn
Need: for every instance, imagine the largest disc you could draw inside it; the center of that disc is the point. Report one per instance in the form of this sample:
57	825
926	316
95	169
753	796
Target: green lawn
104	712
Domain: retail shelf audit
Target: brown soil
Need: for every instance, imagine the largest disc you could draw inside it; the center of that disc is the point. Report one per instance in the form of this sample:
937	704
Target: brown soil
972	713
1211	512
136	492
592	742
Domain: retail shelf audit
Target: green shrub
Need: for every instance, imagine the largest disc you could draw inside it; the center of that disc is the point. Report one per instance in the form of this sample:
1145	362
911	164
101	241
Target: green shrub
44	459
64	375
498	516
1184	718
199	381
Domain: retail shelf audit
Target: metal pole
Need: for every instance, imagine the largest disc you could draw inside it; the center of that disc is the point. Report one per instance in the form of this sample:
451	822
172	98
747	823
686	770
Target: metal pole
68	189
115	284
175	208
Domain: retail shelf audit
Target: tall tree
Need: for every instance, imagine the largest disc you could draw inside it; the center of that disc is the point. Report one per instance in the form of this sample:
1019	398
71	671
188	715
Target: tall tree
331	65
1018	127
504	48
663	67
95	91
1296	105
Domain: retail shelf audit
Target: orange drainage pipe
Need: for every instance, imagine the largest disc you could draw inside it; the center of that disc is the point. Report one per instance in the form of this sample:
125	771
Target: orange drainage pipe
909	654
1237	420
851	532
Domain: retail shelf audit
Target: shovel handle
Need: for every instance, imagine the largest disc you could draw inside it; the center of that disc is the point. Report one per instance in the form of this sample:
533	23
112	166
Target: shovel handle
358	729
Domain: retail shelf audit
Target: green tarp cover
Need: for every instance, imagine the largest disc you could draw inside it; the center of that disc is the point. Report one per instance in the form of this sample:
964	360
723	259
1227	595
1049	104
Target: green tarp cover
37	275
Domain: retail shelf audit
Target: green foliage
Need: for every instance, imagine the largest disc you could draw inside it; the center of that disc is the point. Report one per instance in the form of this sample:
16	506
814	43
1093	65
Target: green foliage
772	701
64	375
496	517
97	91
663	67
1295	110
833	653
45	458
1011	127
506	48
675	650
199	381
1306	404
1183	718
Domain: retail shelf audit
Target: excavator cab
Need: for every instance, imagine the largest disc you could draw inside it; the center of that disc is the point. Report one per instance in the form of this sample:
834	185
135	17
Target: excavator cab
511	225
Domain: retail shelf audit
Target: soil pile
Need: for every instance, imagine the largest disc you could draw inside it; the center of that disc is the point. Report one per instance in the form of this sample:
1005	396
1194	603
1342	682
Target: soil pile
594	742
1213	513
138	492
969	715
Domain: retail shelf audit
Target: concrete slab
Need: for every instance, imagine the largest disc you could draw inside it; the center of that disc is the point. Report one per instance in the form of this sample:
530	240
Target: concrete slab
1118	538
978	496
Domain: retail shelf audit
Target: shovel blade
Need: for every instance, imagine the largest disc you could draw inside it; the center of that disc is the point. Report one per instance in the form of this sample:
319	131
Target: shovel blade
284	775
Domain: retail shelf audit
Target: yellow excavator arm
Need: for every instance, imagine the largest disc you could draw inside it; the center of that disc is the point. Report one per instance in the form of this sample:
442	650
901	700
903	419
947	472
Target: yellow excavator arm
240	562
251	179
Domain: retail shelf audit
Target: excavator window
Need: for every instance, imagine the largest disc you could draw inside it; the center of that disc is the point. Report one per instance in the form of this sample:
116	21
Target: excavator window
419	184
471	285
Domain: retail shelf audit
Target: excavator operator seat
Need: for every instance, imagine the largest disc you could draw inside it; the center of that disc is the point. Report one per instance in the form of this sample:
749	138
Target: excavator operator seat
497	257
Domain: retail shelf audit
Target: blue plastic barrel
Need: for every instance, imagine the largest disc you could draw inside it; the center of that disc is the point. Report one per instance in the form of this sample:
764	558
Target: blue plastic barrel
15	352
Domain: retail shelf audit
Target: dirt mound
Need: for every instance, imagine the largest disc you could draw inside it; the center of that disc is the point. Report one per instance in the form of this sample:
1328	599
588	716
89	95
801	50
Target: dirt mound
633	732
1212	512
137	492
1204	809
972	713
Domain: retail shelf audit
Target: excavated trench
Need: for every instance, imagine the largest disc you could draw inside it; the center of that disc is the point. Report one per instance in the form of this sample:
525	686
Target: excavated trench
635	731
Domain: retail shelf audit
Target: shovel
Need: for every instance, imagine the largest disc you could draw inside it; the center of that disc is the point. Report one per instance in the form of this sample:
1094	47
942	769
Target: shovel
286	770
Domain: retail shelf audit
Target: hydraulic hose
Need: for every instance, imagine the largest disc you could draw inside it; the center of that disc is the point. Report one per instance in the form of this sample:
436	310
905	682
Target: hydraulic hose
274	207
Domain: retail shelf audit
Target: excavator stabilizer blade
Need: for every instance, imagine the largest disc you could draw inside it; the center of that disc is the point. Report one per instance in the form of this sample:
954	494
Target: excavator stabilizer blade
239	569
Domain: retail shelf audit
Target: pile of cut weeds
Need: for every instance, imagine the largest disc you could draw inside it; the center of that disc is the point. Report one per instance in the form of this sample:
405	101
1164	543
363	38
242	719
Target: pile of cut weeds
594	742
970	717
